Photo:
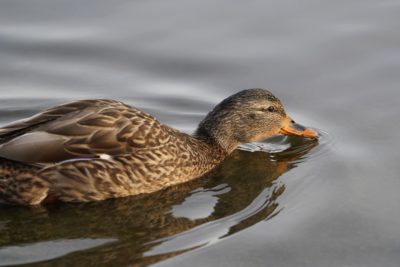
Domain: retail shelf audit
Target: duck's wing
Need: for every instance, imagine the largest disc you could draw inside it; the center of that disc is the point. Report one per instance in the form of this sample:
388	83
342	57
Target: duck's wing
85	128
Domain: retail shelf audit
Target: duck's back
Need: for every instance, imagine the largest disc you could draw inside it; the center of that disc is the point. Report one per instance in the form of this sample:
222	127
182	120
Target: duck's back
85	128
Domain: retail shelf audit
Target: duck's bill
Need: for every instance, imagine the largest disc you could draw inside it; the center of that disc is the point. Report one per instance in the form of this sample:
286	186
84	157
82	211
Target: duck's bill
297	129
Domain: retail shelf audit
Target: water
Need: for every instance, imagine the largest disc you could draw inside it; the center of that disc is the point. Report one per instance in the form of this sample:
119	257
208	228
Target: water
290	202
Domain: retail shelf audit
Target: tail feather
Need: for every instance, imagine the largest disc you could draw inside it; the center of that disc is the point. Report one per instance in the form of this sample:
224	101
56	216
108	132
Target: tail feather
20	184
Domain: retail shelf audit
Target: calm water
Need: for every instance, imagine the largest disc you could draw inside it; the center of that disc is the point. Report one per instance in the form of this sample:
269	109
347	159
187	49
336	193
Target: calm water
285	202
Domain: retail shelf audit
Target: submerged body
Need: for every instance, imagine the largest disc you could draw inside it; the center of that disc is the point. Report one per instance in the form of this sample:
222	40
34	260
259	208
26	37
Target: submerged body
92	150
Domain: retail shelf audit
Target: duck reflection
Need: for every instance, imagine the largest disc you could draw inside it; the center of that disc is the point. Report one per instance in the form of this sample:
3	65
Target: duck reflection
243	190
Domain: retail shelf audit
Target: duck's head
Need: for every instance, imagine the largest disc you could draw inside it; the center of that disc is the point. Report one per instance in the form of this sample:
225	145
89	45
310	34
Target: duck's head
248	116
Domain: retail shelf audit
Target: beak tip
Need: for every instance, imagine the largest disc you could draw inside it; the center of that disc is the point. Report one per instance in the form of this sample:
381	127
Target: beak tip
299	130
310	133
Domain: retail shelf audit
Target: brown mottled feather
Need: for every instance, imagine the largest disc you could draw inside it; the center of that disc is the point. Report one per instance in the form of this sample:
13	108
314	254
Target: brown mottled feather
146	171
20	184
82	129
146	154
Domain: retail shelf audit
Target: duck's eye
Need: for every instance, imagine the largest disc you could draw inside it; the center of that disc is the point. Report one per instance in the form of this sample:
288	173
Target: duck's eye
270	109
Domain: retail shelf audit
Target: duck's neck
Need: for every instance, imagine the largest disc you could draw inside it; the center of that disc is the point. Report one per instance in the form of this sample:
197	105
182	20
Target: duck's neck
216	137
207	149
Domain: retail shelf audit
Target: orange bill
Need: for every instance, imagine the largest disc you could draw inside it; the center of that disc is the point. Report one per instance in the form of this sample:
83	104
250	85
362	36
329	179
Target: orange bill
296	129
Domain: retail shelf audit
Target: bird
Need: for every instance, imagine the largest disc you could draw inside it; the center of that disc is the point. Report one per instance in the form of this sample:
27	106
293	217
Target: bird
98	149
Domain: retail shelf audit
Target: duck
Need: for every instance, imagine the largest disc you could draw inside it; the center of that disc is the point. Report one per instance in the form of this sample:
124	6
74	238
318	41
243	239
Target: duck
98	149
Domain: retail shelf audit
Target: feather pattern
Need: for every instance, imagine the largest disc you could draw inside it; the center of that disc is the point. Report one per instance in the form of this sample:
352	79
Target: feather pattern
81	129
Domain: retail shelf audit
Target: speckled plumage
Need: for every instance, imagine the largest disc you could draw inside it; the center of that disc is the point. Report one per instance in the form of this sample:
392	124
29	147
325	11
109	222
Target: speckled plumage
20	184
57	154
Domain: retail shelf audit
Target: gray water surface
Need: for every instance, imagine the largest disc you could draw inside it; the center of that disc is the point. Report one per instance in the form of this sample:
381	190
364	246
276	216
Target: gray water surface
334	64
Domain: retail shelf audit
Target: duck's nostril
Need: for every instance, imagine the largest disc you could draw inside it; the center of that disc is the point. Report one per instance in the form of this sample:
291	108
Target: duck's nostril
292	121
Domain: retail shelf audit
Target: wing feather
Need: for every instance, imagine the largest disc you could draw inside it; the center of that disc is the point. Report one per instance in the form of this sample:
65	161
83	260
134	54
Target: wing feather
85	128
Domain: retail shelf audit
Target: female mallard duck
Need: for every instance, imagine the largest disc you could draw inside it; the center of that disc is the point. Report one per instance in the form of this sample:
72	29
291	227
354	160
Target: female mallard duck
93	150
